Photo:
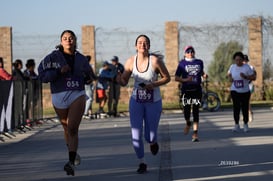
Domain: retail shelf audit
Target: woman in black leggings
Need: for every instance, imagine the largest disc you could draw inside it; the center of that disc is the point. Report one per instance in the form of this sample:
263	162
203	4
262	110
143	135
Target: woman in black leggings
240	74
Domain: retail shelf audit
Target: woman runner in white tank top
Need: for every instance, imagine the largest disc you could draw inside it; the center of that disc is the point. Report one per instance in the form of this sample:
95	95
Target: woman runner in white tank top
145	103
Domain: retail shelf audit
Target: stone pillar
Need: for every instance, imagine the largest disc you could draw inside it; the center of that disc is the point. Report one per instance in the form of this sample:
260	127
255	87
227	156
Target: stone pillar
88	43
6	47
170	91
255	52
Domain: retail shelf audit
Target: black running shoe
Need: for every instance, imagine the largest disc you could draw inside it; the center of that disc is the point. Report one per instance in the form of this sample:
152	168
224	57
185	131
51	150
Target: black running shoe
195	137
69	168
142	168
154	148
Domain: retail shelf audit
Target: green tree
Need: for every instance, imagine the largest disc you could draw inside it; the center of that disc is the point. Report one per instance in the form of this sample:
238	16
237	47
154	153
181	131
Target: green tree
222	60
267	69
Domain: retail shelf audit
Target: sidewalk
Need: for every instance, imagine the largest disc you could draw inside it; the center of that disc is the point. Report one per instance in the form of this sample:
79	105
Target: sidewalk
107	153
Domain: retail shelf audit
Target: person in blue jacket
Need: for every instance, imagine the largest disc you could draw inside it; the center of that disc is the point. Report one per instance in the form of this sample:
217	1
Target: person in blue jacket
106	75
67	71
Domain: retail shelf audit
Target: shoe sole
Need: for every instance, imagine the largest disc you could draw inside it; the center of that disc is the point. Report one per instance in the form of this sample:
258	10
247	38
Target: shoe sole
154	148
69	170
142	171
195	140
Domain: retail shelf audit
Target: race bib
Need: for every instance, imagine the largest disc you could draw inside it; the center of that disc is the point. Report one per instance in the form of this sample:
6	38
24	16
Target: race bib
144	95
238	83
72	84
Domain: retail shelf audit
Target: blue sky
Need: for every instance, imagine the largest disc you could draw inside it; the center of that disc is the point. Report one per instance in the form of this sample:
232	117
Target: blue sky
37	24
53	16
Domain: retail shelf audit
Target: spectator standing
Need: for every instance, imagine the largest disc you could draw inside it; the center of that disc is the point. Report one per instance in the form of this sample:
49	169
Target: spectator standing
17	70
31	91
89	90
4	75
106	74
114	88
145	104
189	73
67	70
20	95
240	74
6	114
30	73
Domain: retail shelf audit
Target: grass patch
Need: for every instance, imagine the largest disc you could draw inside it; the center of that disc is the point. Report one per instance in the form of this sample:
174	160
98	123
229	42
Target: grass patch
49	112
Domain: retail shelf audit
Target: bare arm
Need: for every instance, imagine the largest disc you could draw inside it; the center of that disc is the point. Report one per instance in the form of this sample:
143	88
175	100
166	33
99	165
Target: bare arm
162	70
181	80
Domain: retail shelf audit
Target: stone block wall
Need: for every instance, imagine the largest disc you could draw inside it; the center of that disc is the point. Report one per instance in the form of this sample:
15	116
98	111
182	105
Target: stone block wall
6	47
88	43
255	52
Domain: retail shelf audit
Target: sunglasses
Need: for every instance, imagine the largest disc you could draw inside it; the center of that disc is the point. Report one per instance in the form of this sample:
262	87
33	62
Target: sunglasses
189	51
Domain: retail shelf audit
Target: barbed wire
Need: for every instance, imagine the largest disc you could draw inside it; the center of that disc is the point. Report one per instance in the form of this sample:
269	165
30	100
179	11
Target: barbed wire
121	41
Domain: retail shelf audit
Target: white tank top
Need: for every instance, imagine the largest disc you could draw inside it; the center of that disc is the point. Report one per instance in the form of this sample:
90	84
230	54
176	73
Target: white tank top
146	77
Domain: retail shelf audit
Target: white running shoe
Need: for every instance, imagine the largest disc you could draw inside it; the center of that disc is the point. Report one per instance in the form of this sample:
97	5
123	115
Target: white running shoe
236	128
246	128
77	160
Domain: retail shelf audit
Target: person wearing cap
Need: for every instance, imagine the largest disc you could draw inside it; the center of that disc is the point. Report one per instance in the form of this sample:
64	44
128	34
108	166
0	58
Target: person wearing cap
251	88
240	74
114	87
189	73
105	75
145	106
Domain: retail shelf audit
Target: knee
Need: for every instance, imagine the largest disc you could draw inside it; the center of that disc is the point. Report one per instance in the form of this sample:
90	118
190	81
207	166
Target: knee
72	131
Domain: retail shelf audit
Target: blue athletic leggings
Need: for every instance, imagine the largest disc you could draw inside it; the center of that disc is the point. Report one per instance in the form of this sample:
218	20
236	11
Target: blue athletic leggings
149	113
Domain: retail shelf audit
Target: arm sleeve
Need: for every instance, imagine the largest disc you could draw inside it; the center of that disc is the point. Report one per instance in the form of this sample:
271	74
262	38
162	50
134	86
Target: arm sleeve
89	72
47	71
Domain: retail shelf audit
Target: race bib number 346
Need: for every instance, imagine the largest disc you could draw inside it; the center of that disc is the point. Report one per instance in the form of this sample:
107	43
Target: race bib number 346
144	95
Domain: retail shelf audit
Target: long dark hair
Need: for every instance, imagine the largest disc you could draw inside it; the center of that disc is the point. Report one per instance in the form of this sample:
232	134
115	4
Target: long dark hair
146	37
60	47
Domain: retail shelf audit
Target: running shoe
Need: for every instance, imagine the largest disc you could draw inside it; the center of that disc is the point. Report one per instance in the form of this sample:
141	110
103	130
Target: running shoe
142	168
236	128
77	160
154	148
195	137
69	168
85	116
246	129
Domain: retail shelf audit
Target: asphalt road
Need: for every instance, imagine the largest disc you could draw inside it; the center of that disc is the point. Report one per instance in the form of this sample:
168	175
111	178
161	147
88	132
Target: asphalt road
107	153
